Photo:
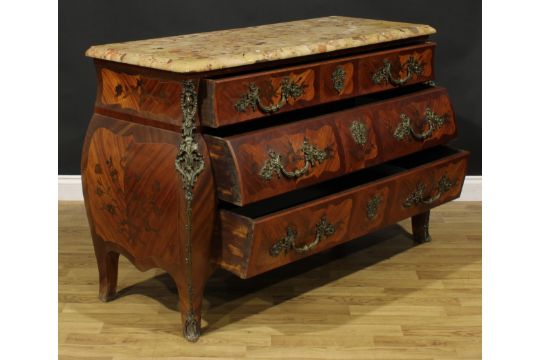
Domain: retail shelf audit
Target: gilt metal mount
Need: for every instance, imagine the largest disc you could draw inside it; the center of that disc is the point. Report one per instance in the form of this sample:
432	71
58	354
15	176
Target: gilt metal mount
418	195
359	132
338	78
405	130
384	74
373	206
251	99
274	165
190	164
323	229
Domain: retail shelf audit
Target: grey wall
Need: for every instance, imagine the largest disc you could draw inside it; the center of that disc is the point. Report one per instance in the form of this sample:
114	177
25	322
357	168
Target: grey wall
86	22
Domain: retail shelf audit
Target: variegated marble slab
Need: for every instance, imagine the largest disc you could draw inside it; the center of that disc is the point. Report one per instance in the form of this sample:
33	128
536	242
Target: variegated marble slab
236	47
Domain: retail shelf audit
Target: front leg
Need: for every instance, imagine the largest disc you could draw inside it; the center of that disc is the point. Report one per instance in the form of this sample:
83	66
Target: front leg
190	295
196	267
420	227
197	213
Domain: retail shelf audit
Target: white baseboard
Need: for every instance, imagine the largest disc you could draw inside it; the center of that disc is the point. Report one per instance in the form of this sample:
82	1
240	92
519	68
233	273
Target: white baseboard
70	188
472	189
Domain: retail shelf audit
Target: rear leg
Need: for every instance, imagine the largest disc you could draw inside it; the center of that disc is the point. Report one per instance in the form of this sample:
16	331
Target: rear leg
420	227
107	262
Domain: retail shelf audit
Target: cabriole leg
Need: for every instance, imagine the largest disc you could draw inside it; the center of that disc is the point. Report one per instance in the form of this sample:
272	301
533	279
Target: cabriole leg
190	306
107	262
420	227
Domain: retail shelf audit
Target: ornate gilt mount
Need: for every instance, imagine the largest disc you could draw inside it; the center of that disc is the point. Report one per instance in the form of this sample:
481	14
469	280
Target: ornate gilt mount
274	164
373	206
190	164
359	132
251	99
418	195
191	327
384	74
323	230
338	78
405	130
189	161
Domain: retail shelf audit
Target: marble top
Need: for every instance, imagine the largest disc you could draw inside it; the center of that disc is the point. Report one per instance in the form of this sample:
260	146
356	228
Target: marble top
236	47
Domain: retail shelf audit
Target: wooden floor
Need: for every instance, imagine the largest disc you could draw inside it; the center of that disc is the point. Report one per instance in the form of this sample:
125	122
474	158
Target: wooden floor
379	297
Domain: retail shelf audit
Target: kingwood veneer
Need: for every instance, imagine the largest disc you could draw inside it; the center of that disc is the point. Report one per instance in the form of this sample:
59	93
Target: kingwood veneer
247	150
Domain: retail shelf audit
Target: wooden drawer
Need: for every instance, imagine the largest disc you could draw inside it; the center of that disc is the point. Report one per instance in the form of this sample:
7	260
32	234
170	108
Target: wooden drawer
266	235
260	164
235	99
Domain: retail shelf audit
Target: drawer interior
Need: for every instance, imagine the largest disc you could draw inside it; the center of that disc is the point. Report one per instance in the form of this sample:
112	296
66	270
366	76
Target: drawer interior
359	178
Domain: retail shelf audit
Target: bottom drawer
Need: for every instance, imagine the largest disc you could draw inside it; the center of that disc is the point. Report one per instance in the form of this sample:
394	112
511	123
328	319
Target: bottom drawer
265	235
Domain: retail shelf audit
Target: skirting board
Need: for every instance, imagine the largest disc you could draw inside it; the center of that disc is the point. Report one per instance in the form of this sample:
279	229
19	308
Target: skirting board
70	188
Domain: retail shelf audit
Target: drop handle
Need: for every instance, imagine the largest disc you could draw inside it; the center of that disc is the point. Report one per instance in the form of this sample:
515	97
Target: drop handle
384	74
251	99
418	196
274	165
323	230
404	130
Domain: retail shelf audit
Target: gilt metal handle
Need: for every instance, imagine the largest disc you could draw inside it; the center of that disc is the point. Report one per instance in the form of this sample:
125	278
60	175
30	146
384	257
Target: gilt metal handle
323	230
274	164
384	74
404	128
251	99
418	197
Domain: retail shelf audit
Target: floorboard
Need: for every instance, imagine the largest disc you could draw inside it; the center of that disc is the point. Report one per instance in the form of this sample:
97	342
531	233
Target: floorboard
378	297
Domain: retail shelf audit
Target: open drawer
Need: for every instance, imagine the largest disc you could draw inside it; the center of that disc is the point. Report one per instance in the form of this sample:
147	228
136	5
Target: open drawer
265	235
261	164
234	99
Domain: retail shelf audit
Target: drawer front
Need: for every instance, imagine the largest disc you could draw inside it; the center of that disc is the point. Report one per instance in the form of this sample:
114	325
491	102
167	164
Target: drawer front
391	69
261	164
139	94
241	98
255	245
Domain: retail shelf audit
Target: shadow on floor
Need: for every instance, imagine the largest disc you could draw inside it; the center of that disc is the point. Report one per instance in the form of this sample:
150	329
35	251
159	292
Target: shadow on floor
226	292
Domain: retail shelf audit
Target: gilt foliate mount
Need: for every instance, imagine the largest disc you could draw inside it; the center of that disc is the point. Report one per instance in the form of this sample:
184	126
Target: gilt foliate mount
323	229
252	100
189	160
418	196
359	132
405	130
190	164
338	78
274	165
384	74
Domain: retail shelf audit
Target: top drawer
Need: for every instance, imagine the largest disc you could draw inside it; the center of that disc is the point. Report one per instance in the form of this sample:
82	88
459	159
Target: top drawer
241	98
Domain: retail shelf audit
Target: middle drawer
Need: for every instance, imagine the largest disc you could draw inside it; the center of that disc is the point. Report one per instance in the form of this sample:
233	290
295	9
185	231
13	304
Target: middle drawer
261	164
